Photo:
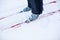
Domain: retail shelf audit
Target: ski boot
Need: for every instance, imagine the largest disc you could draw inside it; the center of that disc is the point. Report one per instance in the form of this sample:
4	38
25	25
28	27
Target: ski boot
25	9
32	18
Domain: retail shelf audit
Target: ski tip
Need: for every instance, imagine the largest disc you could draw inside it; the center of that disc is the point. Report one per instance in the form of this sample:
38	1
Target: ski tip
27	21
20	11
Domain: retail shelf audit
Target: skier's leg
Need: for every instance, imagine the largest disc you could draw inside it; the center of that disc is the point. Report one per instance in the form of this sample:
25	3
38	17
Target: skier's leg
37	8
29	3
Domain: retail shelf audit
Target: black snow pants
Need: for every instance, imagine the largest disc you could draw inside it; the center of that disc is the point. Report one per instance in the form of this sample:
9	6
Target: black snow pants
36	6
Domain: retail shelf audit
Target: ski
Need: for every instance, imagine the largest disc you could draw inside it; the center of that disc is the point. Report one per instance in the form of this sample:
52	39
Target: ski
42	16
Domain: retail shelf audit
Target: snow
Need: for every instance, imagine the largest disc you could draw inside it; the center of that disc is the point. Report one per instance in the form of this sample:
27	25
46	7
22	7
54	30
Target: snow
47	28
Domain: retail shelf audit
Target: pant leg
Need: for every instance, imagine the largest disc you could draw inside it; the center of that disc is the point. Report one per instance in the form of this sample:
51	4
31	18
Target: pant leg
29	3
36	6
39	7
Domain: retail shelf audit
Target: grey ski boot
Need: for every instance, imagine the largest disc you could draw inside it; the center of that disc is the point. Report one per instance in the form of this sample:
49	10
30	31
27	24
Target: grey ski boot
32	18
25	9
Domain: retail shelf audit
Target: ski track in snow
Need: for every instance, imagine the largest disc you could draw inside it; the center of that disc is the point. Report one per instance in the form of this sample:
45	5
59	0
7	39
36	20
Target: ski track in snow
43	16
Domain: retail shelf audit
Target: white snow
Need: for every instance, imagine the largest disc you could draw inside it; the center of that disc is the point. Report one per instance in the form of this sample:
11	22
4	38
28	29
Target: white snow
47	28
